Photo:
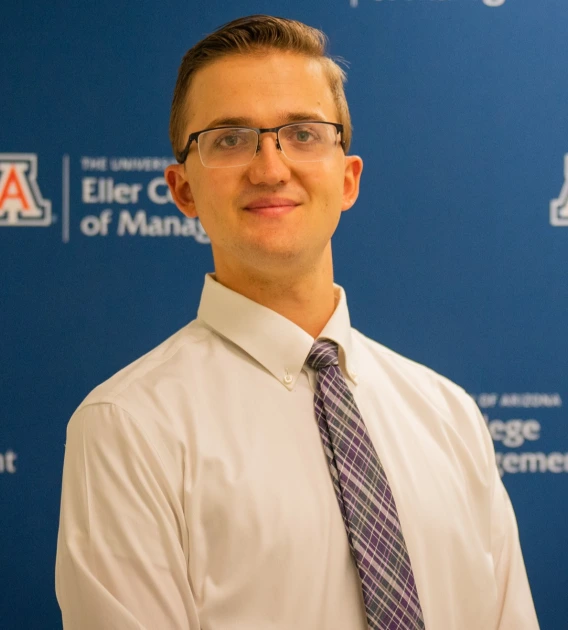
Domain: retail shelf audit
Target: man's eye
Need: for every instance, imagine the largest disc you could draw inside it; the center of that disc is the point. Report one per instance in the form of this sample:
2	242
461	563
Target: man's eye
304	135
230	141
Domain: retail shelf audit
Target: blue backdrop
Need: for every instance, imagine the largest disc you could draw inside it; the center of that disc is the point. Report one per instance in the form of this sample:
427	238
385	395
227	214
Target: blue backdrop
455	254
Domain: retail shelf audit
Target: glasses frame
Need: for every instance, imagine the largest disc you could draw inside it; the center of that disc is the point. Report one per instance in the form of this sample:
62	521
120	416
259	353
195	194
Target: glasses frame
182	156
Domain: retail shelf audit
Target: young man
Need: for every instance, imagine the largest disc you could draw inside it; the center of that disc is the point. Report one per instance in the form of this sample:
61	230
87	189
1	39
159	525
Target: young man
268	466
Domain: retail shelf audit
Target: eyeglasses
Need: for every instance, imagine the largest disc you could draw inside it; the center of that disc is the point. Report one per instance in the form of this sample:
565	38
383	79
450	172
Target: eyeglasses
225	147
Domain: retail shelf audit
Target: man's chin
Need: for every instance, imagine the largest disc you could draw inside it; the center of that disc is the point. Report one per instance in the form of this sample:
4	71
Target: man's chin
275	254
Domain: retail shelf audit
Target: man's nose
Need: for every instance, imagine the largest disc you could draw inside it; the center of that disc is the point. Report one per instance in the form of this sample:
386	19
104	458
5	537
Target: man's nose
269	165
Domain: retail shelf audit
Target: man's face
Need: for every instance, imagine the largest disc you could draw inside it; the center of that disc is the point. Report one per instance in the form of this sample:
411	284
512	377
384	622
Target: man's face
241	207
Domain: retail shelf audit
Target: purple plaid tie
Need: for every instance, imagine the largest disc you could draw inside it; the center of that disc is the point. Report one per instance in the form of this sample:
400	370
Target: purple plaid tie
365	500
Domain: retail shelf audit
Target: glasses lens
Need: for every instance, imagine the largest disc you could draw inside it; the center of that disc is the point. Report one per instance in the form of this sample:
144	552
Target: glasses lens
309	141
220	148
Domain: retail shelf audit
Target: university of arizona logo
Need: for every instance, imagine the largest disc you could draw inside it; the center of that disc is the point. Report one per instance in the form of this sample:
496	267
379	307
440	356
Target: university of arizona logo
559	207
21	202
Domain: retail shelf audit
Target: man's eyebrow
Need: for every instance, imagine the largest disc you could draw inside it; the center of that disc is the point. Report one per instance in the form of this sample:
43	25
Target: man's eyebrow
245	121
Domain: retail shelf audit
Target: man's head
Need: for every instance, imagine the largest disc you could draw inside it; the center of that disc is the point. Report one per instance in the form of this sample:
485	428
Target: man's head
252	35
275	212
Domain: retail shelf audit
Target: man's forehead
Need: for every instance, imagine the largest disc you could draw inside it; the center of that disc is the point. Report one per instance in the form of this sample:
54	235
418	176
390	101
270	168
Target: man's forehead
261	63
280	116
240	86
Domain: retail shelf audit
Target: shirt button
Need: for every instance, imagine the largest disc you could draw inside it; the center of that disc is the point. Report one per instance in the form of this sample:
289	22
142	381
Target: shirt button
288	379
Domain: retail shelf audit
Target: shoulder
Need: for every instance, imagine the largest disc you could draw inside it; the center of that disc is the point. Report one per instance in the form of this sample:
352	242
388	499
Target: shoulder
414	379
166	362
436	403
140	413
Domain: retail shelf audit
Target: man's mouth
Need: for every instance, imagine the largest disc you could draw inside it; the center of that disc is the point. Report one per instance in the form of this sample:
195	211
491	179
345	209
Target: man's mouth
271	206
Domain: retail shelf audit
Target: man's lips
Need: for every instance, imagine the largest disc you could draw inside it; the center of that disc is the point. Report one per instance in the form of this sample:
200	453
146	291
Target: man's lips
271	206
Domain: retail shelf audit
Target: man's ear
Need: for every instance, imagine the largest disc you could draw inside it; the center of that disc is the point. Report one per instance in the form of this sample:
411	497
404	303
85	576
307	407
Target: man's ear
353	170
180	189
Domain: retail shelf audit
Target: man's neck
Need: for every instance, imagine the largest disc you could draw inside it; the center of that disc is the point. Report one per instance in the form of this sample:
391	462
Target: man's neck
308	299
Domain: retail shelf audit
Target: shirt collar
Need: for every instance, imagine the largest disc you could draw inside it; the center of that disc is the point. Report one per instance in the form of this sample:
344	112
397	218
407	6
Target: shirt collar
278	344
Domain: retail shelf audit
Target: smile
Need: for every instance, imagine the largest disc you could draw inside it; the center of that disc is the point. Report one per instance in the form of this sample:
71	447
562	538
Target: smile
271	206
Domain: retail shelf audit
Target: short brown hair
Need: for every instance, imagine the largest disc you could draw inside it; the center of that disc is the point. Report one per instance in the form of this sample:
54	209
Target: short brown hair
256	34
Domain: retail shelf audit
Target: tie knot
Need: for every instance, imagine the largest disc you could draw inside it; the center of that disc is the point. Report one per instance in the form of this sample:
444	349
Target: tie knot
323	354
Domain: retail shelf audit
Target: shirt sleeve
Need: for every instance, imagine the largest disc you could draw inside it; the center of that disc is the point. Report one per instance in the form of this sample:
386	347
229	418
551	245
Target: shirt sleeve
515	604
121	562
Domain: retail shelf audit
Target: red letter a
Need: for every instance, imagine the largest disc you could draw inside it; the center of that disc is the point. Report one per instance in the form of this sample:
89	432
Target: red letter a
13	190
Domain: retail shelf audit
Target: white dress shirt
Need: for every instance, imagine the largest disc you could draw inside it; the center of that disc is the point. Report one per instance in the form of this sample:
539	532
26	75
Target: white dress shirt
196	493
